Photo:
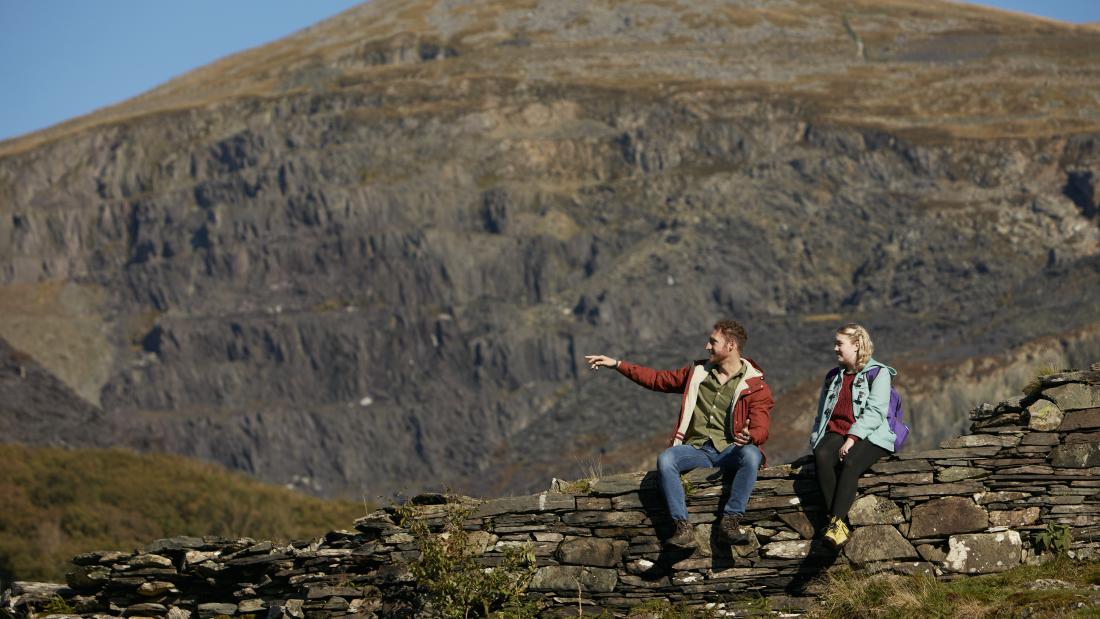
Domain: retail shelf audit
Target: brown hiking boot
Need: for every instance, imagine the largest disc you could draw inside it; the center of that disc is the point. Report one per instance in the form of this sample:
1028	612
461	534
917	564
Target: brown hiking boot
684	537
730	531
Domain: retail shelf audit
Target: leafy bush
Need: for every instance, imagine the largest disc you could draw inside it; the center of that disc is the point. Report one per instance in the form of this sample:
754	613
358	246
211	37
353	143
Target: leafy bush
1057	539
448	572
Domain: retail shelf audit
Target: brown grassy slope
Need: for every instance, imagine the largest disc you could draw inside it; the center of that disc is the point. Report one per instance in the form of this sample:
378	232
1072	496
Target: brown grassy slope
59	503
937	68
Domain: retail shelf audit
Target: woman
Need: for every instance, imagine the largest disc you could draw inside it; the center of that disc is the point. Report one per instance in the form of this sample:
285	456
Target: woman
850	432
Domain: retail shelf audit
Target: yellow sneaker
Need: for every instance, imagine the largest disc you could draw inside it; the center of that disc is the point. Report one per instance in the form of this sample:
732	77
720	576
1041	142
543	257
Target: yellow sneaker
837	533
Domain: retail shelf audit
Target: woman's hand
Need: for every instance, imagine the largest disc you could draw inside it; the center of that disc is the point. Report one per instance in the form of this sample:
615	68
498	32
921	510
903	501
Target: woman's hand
595	362
843	451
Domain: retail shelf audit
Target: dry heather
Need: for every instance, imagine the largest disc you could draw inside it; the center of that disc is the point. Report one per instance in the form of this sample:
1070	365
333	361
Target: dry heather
880	63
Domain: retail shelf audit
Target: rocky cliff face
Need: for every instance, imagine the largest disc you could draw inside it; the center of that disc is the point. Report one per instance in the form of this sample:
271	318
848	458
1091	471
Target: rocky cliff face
370	256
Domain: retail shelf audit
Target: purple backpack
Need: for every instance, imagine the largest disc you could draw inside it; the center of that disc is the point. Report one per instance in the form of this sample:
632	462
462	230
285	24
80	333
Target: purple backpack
893	413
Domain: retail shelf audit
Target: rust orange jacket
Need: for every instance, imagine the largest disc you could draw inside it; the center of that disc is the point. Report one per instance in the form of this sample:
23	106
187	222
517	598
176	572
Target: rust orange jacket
752	401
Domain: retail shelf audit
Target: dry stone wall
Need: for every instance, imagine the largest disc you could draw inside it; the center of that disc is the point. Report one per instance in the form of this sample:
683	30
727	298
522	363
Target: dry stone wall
975	505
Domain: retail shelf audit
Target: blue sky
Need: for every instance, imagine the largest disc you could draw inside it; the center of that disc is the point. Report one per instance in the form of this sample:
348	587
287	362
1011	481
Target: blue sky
64	58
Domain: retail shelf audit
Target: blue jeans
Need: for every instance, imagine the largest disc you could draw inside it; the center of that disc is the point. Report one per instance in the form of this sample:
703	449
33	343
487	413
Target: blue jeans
743	460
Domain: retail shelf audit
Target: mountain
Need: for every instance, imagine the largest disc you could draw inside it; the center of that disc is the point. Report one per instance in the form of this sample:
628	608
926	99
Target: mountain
369	257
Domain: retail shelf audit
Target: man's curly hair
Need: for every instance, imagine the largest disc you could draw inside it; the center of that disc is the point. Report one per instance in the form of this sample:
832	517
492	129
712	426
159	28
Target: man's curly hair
733	331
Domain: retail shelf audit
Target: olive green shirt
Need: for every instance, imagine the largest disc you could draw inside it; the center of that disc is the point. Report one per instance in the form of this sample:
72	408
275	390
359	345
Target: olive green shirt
708	421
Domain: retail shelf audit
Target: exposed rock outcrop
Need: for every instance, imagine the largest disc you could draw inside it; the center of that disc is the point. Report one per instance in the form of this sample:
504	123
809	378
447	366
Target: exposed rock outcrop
369	257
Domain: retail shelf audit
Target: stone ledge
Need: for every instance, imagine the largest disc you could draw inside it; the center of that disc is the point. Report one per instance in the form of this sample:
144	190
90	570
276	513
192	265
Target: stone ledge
970	507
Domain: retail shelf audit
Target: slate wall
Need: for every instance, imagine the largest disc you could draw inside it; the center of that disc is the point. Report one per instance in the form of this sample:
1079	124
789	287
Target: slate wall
973	506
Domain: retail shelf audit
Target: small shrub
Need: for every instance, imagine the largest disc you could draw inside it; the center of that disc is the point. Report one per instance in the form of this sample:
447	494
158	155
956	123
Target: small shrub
448	572
593	469
1035	384
580	486
1056	539
58	606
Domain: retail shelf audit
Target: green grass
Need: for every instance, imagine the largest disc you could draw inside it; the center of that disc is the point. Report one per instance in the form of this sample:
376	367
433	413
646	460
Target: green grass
58	503
845	594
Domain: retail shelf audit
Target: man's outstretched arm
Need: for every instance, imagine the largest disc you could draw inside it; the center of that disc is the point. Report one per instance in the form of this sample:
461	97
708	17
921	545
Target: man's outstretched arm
668	381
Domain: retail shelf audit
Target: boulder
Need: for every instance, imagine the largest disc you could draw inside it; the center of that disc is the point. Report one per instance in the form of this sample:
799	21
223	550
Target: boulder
1074	396
147	609
569	577
155	588
799	522
793	549
604	519
945	516
957	473
616	485
88	577
477	542
1044	416
179	543
102	557
985	498
931	553
150	560
878	543
546	501
217	609
1014	518
981	440
874	509
251	606
983	553
596	552
1080	420
1076	455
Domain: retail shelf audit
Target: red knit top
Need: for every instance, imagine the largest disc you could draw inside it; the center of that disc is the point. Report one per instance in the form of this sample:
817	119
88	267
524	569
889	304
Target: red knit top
843	414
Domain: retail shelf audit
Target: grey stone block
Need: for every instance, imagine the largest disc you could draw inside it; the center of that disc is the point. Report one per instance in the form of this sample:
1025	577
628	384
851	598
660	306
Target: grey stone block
1044	416
567	578
878	543
1076	455
983	553
1080	420
958	473
593	552
1014	518
1074	396
946	516
872	509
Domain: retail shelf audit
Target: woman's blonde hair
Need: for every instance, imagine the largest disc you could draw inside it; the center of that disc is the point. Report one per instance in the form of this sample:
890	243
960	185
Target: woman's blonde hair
862	339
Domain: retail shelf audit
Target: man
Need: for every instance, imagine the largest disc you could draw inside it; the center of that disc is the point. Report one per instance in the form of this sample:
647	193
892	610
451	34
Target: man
724	418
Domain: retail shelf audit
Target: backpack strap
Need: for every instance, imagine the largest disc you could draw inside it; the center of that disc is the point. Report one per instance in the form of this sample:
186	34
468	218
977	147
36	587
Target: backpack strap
873	373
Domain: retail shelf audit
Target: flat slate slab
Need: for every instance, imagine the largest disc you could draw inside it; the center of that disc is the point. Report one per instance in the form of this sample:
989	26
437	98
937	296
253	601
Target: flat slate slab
983	553
1081	420
946	516
878	543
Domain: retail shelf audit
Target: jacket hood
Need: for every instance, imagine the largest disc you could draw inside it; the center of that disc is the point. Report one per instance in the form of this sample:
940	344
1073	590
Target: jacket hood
872	363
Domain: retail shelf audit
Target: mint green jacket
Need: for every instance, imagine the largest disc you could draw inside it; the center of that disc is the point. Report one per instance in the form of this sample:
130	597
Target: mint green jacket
870	401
